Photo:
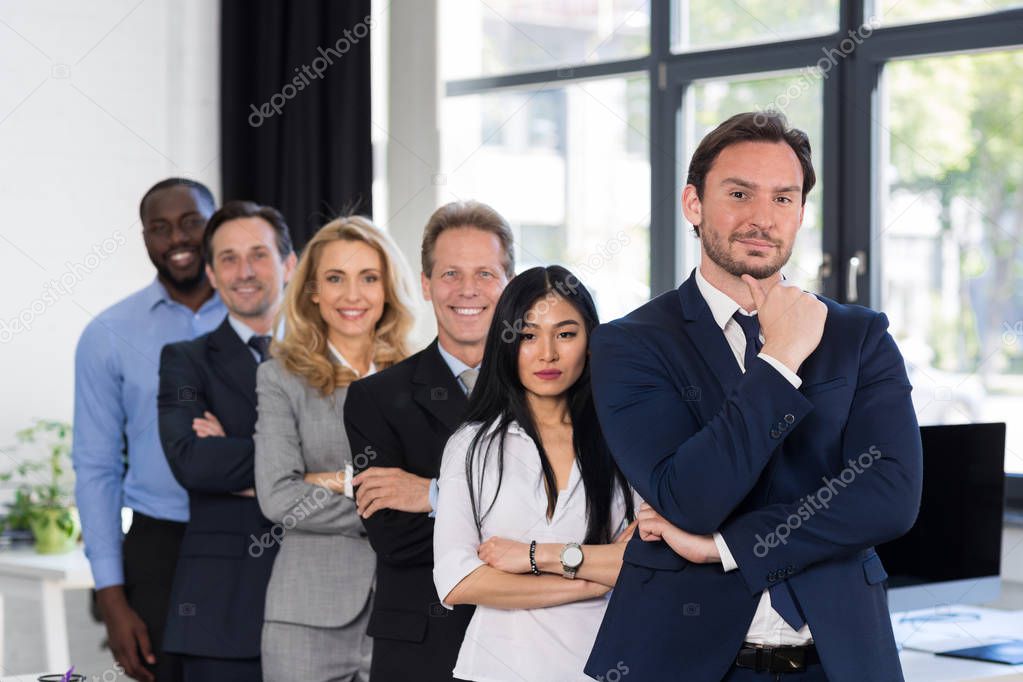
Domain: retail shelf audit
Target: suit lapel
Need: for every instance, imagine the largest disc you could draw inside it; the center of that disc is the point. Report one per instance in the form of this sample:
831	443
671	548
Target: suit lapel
436	389
232	360
707	338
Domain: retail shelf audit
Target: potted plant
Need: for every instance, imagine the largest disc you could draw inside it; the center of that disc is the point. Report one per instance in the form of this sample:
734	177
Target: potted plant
44	499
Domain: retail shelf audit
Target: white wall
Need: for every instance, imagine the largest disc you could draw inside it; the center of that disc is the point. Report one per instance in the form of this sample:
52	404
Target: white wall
99	100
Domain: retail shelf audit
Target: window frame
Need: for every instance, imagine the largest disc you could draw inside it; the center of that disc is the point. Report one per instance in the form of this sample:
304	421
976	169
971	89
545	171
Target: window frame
850	151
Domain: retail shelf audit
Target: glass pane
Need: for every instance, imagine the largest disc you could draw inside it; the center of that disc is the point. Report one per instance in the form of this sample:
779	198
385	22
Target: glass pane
910	11
951	235
569	168
799	97
507	36
702	24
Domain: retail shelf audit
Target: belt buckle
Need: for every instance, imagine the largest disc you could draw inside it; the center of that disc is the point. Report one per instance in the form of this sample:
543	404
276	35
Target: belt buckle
787	660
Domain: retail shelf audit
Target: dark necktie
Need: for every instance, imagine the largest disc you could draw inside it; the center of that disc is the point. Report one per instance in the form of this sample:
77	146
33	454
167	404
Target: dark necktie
783	601
750	325
262	346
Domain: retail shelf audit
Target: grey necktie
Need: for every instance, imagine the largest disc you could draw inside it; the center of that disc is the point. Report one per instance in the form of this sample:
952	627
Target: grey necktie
468	378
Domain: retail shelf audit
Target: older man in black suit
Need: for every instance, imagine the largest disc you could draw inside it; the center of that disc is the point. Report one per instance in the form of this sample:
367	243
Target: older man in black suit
207	409
402	418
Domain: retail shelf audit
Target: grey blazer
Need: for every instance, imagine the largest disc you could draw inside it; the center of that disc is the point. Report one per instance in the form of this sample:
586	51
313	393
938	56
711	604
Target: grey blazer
324	573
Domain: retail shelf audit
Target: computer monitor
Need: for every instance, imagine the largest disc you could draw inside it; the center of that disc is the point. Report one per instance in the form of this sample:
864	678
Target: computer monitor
952	555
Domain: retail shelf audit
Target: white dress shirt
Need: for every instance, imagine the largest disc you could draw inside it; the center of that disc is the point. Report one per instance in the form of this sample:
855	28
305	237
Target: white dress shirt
244	332
344	363
539	645
767	627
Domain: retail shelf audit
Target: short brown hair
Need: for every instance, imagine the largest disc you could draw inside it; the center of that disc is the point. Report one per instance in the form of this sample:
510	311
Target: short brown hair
233	210
750	126
468	214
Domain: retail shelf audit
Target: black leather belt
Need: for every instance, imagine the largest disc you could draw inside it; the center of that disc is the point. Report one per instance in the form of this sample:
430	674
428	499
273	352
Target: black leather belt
777	659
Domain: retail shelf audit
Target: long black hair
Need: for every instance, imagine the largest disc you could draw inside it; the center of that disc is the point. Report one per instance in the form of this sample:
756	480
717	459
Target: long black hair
499	398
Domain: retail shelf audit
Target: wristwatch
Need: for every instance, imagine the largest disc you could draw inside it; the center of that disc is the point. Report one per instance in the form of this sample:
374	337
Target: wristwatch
571	559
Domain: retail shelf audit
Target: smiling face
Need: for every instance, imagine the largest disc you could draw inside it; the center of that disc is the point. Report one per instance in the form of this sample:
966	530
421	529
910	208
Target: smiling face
349	288
173	220
552	353
247	269
467	279
751	209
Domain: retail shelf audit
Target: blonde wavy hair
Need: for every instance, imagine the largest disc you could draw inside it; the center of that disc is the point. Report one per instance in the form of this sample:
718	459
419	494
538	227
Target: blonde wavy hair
303	350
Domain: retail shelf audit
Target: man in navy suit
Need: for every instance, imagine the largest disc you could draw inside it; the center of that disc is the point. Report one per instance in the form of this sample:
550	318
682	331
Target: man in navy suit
207	408
772	435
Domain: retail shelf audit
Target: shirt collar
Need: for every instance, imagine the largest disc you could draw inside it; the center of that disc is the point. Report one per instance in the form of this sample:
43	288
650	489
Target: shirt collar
243	330
156	293
722	307
344	363
454	364
513	428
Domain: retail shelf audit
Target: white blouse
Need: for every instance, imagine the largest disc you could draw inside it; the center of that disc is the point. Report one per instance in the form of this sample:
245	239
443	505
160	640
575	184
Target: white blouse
541	645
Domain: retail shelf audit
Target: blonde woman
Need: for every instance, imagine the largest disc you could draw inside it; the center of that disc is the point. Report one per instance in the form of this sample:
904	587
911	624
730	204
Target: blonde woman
347	313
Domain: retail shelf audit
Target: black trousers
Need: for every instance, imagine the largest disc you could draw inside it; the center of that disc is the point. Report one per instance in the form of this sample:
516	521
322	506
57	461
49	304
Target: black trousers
150	555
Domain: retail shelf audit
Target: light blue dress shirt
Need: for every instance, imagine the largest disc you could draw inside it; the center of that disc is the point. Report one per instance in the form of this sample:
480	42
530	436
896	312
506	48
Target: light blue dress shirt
457	367
117	366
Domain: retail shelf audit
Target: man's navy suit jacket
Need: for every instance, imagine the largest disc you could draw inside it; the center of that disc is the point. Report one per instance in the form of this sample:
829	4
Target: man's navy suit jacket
220	582
801	483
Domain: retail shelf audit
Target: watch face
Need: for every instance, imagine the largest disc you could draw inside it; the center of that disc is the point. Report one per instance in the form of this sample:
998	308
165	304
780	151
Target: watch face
572	557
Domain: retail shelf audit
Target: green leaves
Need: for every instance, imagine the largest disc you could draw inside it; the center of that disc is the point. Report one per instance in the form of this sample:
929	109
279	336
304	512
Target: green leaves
41	483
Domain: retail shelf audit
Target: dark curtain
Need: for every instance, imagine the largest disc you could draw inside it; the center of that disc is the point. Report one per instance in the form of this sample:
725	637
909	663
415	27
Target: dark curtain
295	108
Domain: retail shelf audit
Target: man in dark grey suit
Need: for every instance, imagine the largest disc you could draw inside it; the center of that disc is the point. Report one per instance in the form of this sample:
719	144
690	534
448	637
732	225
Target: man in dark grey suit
404	416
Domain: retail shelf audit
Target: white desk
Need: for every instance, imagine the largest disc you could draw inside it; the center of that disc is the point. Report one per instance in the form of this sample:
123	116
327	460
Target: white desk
43	579
981	626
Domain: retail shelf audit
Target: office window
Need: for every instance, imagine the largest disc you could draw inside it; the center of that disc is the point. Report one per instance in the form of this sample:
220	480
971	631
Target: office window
563	166
708	24
507	36
798	96
951	235
891	12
